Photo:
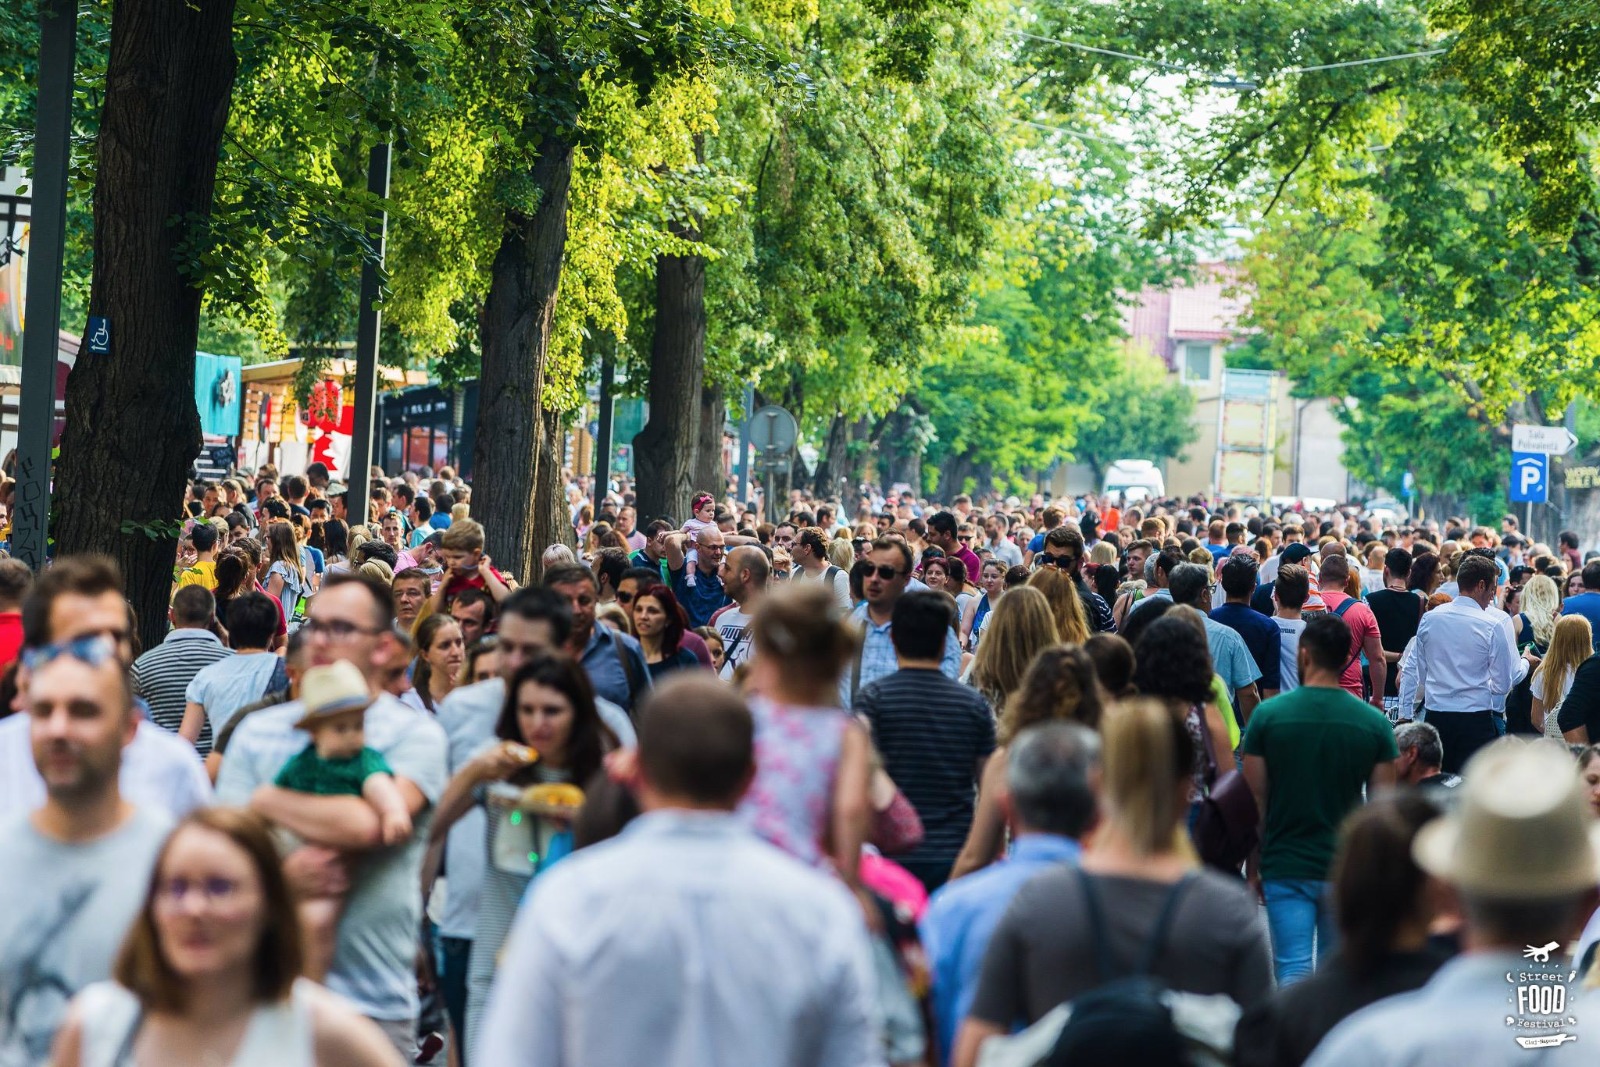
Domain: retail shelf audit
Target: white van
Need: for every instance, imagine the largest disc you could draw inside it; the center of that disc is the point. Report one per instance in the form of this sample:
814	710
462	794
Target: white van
1135	479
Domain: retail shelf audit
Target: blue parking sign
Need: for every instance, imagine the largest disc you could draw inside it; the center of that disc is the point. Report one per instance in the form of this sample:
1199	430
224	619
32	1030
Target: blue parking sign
1530	477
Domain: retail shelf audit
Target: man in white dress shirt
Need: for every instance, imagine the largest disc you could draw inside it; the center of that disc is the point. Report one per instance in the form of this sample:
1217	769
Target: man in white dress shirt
685	941
1466	662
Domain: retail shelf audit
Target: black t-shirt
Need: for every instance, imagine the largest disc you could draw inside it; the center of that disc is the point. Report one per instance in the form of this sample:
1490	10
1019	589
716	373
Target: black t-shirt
932	732
1398	612
1582	705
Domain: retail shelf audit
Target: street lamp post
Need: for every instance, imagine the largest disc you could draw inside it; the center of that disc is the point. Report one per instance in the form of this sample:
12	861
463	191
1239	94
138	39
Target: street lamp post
52	146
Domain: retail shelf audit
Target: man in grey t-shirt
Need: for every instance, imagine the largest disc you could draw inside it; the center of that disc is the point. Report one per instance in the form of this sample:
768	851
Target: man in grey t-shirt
73	872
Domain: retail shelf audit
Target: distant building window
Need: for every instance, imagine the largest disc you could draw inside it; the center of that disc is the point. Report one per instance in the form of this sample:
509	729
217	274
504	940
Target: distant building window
1196	362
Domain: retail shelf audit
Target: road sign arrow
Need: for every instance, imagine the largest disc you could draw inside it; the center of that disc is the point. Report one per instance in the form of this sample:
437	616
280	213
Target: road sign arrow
1551	440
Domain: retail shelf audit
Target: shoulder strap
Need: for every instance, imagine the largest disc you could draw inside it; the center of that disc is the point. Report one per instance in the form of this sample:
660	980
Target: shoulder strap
1158	935
629	668
1342	608
855	671
832	577
1096	917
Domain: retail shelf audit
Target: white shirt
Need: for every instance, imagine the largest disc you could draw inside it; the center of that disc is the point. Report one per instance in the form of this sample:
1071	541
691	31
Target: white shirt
685	942
832	578
1465	658
160	771
1289	631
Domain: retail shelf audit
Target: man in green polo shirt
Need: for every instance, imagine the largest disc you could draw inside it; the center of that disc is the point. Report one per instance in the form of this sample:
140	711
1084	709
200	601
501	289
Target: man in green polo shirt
1307	755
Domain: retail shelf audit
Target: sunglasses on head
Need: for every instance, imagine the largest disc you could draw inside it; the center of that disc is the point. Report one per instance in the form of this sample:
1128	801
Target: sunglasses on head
93	649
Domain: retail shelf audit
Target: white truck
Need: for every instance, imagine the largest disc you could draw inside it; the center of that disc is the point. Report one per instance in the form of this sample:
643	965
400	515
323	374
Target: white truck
1135	479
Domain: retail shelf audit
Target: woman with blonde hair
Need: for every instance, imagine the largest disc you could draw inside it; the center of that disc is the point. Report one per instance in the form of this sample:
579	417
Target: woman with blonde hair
1103	553
1072	624
1570	644
1021	625
1059	684
1137	870
1541	603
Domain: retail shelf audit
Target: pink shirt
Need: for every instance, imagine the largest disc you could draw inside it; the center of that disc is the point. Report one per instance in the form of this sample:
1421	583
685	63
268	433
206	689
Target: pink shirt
1363	624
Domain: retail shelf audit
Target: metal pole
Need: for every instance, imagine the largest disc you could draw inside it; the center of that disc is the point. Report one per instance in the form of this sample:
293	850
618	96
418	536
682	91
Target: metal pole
367	329
602	444
744	444
52	147
1527	518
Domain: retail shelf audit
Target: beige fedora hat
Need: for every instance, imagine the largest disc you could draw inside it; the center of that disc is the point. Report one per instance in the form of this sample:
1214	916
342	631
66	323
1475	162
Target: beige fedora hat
1521	827
331	691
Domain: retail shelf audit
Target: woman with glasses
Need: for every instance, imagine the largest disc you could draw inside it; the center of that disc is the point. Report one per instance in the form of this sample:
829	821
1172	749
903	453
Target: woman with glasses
209	974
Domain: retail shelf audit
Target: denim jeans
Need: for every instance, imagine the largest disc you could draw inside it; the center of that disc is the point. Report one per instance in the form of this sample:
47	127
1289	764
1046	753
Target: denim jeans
454	953
1300	918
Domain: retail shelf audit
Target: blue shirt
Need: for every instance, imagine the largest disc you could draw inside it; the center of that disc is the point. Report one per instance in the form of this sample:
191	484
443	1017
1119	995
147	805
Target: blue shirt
961	918
605	669
702	599
1587	605
1260	636
879	661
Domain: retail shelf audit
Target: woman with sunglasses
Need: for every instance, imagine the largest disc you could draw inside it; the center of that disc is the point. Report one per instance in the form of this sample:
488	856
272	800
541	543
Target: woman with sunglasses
209	973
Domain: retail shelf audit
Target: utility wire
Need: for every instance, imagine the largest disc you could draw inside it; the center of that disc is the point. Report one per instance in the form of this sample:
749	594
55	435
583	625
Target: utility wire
1162	64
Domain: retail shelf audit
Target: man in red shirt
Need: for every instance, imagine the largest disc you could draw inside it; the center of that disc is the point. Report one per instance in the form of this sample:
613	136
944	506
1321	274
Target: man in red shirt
15	579
1364	635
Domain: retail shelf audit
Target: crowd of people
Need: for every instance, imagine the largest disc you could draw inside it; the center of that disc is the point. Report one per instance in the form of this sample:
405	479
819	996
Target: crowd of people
886	782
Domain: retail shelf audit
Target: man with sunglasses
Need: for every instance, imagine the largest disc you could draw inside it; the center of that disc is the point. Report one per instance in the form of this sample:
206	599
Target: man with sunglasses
884	585
77	599
73	871
353	619
1064	549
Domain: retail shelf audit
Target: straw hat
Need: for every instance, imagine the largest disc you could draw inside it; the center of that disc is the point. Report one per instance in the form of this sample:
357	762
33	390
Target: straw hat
1521	827
331	691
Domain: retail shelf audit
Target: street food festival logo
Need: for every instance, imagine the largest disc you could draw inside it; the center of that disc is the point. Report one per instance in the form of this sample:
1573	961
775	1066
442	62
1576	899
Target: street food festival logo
1539	999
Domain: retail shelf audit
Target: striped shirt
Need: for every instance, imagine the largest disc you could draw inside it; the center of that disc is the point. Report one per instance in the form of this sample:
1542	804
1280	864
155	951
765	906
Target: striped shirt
162	676
932	732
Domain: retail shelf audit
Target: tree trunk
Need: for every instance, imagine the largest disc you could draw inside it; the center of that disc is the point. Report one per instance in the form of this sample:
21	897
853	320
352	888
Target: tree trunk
708	470
132	430
664	451
515	337
835	456
551	520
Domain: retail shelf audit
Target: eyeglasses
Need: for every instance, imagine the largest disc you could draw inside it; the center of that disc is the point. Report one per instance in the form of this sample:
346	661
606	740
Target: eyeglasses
174	891
93	649
338	629
888	574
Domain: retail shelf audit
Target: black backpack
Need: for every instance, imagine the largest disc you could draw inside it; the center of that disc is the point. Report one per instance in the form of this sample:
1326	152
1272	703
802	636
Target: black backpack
1127	1012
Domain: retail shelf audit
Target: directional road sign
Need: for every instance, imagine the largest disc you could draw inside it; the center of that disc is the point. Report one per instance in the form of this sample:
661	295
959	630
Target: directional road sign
1530	477
1551	440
